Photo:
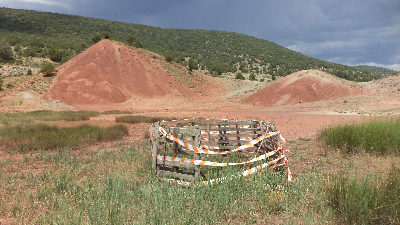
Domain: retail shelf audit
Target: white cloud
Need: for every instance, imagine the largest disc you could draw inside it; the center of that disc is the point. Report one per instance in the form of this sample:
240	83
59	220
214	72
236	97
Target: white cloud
325	47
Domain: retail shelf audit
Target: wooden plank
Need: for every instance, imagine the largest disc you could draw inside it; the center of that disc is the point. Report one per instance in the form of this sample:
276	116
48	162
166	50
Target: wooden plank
237	129
178	164
232	141
176	175
241	135
236	123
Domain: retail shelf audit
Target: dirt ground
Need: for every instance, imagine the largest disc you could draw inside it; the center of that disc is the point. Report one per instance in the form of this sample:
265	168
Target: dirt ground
110	76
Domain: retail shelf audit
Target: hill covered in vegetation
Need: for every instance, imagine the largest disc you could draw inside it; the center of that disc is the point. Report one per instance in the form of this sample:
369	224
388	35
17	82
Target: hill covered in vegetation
60	37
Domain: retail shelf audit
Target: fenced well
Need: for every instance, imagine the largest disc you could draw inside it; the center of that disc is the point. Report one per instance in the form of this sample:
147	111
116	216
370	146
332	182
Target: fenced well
184	151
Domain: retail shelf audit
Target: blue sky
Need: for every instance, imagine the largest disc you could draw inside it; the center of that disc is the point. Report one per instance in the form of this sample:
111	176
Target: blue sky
350	32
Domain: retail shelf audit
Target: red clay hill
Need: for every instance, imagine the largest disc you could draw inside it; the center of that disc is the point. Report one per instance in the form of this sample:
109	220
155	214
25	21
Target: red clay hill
109	72
303	86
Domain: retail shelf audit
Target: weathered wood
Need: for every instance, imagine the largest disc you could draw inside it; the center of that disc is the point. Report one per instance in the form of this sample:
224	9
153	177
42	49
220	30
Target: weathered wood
235	123
154	148
237	129
176	175
178	164
196	155
232	141
240	135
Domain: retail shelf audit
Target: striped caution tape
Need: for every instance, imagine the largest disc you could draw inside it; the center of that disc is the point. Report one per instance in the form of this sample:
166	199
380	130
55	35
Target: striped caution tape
205	149
209	163
245	173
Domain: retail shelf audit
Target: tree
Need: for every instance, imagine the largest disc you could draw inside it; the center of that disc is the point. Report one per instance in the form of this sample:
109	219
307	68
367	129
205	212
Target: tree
252	76
133	40
191	64
6	52
239	76
106	35
29	72
96	38
48	68
168	58
1	83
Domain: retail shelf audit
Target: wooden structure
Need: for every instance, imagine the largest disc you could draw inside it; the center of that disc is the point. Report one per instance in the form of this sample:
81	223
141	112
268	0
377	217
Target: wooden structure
211	132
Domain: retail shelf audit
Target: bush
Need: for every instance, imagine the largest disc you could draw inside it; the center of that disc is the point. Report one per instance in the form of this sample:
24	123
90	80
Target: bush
106	35
29	72
6	52
48	68
168	58
240	76
252	77
96	38
1	83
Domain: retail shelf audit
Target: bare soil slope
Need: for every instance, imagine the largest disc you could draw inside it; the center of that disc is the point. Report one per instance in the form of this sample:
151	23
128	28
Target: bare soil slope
109	72
303	86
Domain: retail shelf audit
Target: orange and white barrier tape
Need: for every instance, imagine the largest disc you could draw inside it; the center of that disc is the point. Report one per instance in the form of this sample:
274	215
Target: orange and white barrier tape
209	163
205	149
245	173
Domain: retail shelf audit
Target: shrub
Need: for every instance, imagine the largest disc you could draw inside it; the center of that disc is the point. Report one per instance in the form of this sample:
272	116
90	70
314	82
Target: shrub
29	72
106	35
6	52
252	76
48	68
96	38
168	58
239	76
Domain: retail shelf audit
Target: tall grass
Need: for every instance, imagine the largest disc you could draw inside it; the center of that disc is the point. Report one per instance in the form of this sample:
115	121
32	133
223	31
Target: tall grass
366	202
45	115
118	187
376	136
116	112
140	119
42	136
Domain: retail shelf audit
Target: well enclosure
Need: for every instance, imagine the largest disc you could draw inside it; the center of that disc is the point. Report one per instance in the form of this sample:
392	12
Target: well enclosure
197	138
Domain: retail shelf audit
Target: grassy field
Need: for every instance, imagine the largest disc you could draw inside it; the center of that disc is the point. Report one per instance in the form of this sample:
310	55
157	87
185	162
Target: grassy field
116	185
140	119
44	115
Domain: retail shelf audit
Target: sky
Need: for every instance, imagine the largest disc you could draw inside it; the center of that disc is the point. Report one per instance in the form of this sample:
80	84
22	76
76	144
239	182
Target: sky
349	32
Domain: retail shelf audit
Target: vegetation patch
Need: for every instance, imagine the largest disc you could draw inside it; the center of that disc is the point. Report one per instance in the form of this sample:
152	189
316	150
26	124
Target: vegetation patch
376	136
110	112
45	115
140	119
366	202
41	136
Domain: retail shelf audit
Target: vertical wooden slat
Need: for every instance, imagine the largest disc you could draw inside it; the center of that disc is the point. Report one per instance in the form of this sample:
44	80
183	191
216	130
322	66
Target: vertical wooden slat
155	146
176	146
196	155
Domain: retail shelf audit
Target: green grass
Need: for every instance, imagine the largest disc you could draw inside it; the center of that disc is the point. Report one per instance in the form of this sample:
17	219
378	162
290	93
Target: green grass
45	115
376	136
364	201
117	186
42	136
109	112
140	119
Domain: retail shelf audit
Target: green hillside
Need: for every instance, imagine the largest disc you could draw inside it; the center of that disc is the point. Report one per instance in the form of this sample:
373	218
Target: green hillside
377	70
60	37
